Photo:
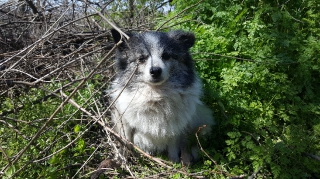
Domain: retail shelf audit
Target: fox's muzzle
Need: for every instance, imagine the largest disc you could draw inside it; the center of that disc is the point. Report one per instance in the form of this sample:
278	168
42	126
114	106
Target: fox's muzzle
155	72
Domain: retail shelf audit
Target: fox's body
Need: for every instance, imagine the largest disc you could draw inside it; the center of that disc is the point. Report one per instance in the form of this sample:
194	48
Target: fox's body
160	105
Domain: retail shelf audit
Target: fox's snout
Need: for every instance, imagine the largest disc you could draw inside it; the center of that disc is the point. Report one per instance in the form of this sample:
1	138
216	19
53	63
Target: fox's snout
155	72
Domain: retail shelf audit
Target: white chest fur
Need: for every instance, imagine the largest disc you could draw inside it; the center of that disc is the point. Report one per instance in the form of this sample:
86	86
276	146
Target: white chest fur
158	112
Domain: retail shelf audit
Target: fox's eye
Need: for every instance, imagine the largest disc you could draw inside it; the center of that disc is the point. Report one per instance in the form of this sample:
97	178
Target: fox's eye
142	59
165	56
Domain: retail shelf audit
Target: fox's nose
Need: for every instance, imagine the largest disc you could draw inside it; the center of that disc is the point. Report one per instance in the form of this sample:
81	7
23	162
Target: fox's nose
155	72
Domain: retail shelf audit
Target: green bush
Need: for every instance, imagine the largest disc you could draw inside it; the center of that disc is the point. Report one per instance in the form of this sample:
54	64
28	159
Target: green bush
260	64
27	113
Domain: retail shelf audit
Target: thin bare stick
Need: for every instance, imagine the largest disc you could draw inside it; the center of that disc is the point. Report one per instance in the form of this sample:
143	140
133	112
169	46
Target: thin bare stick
312	156
5	155
86	161
70	62
14	129
109	22
202	150
184	10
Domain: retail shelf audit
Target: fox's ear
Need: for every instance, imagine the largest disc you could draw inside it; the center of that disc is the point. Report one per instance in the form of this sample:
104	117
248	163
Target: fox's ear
116	35
184	38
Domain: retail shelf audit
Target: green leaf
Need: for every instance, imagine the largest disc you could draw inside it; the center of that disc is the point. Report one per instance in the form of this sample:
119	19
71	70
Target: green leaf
77	128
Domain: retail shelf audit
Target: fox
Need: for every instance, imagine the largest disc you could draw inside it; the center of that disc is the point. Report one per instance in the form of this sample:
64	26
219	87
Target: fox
157	93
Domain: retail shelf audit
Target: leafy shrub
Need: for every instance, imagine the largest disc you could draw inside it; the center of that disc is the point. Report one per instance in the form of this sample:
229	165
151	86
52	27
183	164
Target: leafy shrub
260	63
48	157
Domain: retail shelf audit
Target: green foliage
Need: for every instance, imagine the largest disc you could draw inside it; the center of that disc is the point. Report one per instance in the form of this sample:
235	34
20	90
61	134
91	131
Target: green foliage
259	61
33	108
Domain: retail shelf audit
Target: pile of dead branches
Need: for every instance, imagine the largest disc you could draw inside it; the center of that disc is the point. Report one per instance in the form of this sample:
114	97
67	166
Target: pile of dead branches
39	43
51	50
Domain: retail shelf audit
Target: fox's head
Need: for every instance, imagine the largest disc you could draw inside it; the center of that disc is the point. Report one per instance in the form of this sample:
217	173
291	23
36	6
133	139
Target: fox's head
162	58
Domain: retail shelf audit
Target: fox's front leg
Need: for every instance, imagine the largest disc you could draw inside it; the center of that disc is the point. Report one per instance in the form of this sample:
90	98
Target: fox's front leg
174	151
